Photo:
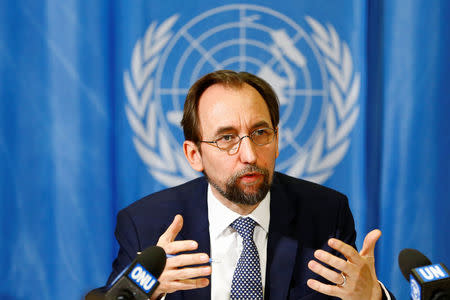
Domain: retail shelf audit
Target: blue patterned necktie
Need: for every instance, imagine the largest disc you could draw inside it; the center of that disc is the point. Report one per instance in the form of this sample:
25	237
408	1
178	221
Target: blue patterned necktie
247	282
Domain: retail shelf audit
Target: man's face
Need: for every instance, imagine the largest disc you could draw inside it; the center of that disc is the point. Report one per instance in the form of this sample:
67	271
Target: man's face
243	177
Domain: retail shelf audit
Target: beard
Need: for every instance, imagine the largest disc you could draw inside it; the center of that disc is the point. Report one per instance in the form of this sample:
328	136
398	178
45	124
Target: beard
236	194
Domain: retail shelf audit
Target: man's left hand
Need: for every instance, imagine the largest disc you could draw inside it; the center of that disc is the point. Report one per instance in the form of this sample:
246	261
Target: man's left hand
357	279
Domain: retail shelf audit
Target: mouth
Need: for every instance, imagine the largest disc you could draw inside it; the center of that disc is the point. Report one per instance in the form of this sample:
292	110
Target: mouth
251	178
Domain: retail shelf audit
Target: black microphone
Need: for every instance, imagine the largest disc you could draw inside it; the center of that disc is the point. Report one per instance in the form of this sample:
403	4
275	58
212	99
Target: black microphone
428	281
138	281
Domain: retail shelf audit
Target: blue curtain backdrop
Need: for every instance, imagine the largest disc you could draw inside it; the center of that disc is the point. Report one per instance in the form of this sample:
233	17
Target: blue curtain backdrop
91	93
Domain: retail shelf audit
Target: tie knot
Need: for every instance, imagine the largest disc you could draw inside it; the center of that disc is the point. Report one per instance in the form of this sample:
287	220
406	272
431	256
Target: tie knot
245	227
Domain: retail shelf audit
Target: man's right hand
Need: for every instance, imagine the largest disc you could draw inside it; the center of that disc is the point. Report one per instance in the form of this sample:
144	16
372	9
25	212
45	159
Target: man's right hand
179	273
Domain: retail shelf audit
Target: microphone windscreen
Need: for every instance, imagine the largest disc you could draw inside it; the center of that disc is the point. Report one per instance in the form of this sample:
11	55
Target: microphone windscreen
409	259
153	259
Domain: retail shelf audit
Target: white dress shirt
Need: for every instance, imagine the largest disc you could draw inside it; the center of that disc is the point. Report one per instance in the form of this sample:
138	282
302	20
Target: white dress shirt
226	243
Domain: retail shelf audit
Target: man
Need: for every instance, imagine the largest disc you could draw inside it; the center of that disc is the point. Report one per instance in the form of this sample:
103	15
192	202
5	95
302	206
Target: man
264	231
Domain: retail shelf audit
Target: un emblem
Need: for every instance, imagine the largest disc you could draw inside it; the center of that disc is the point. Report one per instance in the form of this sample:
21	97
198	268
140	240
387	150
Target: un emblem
310	69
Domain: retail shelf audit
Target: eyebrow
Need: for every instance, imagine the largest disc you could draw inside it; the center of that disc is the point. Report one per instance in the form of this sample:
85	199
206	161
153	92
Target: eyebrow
222	130
261	124
225	129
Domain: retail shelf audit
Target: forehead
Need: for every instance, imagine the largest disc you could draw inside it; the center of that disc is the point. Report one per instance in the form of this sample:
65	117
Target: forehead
235	107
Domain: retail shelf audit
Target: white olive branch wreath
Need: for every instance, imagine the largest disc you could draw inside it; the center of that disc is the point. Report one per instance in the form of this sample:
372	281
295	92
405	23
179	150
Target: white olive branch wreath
150	140
342	113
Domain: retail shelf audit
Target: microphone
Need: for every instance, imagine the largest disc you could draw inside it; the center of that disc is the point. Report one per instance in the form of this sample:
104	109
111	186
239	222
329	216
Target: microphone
136	282
428	281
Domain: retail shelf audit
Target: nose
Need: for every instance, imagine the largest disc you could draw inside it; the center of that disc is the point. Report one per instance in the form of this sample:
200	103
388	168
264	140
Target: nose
247	153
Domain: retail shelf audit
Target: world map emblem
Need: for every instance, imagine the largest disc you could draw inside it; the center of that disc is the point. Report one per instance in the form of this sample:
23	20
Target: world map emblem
310	68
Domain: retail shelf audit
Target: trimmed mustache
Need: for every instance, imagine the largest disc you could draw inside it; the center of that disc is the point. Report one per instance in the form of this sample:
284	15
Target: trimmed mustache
249	169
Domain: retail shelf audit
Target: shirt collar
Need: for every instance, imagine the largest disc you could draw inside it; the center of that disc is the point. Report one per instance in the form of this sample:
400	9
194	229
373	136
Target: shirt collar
220	216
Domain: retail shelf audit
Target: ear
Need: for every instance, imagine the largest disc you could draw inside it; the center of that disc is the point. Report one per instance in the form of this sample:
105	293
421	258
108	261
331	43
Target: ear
192	153
276	143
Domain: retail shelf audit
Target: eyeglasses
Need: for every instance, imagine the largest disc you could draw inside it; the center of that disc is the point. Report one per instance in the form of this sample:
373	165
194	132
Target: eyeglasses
231	142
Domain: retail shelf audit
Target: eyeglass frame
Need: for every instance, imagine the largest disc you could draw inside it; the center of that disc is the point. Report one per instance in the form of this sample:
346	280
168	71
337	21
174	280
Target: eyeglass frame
214	143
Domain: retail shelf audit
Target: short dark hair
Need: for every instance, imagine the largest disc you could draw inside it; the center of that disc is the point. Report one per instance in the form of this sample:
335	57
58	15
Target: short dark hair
191	122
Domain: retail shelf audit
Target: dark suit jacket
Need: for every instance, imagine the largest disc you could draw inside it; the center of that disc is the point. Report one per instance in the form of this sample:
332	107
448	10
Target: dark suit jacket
303	216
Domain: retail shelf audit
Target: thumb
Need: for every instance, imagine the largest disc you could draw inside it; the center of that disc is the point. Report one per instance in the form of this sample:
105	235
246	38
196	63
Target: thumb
370	240
172	231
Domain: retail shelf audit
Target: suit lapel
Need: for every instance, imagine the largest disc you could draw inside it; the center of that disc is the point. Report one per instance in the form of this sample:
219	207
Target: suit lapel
196	227
282	244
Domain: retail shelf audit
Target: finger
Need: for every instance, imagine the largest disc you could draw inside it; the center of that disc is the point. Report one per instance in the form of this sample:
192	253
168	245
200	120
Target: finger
172	231
187	273
187	260
348	251
330	290
325	272
334	261
370	241
187	284
180	246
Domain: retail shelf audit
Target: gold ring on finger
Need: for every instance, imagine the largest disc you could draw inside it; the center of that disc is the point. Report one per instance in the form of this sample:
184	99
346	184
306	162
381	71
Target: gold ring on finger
343	281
